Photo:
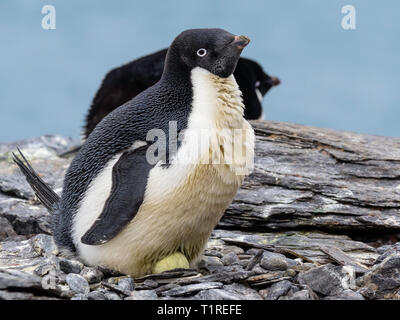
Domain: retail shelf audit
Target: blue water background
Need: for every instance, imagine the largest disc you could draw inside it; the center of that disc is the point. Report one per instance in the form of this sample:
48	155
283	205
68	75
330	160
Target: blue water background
347	80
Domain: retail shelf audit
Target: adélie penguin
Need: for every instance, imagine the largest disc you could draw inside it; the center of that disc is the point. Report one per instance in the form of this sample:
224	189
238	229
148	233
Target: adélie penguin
122	209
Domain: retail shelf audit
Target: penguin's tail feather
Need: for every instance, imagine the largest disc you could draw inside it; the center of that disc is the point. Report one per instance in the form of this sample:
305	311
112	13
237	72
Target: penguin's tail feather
44	193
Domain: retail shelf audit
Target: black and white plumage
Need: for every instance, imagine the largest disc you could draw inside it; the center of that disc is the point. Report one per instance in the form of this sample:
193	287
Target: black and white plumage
123	83
119	210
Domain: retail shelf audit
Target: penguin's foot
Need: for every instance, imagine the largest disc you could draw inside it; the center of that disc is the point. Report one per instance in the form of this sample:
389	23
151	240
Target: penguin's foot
174	261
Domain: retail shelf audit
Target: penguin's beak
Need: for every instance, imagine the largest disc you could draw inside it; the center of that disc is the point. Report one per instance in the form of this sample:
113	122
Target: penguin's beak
275	81
241	41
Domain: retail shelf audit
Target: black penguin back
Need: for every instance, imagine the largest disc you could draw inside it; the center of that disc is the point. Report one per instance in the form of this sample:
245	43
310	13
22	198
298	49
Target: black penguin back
251	77
122	84
169	99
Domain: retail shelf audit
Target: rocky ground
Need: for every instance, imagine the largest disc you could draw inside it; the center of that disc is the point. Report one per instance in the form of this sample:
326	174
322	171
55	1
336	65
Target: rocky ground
318	219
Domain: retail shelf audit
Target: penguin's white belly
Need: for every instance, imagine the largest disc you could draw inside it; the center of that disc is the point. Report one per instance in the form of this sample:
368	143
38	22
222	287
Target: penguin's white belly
181	221
182	202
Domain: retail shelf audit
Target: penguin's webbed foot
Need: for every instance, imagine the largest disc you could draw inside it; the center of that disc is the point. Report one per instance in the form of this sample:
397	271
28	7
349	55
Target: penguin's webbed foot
174	261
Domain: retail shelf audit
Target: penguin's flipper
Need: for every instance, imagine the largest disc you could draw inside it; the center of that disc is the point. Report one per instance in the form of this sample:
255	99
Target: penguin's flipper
129	179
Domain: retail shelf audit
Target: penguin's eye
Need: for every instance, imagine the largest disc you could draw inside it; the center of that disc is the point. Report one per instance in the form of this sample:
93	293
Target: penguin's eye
257	84
201	52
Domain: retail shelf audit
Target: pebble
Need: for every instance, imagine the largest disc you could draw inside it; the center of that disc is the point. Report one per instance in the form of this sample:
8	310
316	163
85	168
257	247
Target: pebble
44	245
6	229
143	295
253	251
388	250
77	283
44	269
96	295
274	262
242	291
79	296
216	294
109	272
70	266
150	283
230	259
346	295
126	284
229	248
191	289
383	249
166	287
300	295
304	266
112	296
113	280
326	279
383	281
277	290
210	261
234	291
255	260
212	253
92	275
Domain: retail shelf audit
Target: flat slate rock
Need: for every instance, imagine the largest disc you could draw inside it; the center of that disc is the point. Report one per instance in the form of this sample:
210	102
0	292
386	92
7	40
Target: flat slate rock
277	290
319	178
383	281
327	182
191	288
18	279
326	280
143	295
229	292
42	153
307	244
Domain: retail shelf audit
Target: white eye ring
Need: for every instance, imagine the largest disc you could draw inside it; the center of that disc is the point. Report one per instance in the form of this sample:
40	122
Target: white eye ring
201	52
257	84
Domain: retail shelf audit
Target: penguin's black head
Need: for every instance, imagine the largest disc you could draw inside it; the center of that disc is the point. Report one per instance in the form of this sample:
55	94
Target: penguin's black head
265	82
215	50
254	84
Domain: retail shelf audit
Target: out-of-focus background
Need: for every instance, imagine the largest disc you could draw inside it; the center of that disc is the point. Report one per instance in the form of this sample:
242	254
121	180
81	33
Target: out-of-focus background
331	77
